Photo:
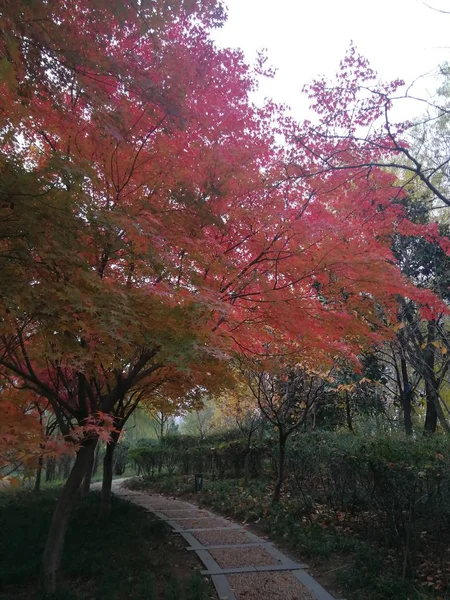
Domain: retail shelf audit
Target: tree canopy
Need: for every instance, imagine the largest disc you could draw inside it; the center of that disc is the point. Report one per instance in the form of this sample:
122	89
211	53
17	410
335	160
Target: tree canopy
154	221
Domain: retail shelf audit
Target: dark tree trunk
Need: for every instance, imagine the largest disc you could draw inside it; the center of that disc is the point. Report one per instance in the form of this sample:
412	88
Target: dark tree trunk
431	414
108	465
429	375
67	466
64	466
247	468
434	408
430	380
60	468
96	461
247	456
86	483
407	412
37	483
50	465
51	560
348	413
406	397
281	459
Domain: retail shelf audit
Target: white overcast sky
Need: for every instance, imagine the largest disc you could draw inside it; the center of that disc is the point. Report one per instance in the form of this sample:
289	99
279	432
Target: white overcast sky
306	38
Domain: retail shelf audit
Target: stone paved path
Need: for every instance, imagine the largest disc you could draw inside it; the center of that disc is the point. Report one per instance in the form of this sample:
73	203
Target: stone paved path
241	565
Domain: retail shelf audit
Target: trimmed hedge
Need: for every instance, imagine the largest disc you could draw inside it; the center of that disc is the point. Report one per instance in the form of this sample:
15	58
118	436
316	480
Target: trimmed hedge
391	491
394	490
186	456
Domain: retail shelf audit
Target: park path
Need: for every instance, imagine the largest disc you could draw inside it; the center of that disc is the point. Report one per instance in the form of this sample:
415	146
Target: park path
242	565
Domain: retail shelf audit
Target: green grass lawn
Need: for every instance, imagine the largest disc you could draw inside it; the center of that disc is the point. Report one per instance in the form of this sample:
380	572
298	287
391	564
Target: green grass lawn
131	555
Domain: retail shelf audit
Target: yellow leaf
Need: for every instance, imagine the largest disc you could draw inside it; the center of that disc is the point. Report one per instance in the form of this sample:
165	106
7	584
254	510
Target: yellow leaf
441	347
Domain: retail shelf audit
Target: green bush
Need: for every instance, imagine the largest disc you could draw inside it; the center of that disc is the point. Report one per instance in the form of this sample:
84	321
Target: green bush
397	490
145	457
185	455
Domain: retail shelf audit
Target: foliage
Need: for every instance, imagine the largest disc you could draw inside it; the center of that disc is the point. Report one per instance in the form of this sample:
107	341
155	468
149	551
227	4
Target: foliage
184	455
155	223
391	491
150	159
144	457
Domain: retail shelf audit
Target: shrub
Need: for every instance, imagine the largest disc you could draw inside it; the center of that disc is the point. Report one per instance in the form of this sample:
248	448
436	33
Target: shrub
395	490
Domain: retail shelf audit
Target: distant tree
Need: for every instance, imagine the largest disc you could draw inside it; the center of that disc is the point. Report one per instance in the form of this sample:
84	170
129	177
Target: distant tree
199	422
238	409
285	397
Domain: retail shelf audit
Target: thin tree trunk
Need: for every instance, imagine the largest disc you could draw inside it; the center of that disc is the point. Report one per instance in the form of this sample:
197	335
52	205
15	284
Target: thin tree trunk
434	408
66	466
407	411
51	560
247	468
406	397
37	483
86	483
108	463
431	414
96	461
247	457
50	465
429	376
348	414
281	459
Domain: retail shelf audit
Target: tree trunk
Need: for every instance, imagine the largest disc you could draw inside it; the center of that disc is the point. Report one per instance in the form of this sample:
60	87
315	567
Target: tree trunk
434	408
429	376
86	483
406	395
108	464
64	466
96	461
281	459
348	413
407	411
51	560
37	483
246	469
50	465
431	414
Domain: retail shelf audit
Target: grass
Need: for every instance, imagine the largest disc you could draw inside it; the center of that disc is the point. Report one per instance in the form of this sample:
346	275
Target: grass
131	555
359	570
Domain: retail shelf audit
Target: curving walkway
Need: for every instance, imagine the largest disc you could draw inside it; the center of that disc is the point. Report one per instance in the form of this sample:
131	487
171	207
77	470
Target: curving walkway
241	565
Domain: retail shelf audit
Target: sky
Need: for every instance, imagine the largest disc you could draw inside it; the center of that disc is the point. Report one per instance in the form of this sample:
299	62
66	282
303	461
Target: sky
304	38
